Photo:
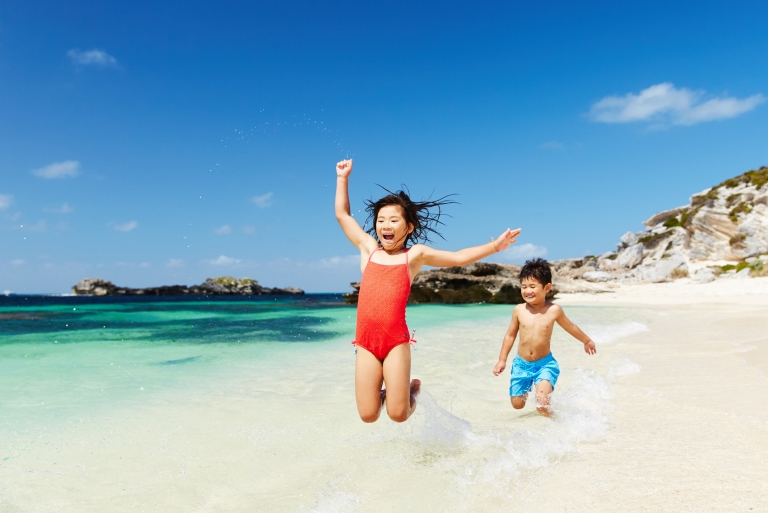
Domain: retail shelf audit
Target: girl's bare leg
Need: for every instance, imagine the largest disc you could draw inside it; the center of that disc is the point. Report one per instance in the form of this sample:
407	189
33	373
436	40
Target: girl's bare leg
368	378
401	391
543	391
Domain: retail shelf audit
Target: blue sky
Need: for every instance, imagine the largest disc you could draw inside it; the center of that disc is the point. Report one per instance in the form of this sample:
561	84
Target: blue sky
155	144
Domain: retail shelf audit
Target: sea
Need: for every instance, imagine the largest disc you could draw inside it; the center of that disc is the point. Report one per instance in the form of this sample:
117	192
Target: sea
247	404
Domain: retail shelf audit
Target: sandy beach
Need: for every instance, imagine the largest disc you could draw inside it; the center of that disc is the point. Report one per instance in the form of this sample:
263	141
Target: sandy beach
670	415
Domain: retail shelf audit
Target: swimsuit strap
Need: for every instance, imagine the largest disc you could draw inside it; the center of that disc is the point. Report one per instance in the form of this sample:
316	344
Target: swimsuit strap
372	252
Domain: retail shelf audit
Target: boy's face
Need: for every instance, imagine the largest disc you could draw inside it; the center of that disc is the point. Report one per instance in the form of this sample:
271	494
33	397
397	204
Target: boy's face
534	293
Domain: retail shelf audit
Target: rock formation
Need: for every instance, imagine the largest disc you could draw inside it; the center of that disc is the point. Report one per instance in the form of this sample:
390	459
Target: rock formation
475	283
224	285
723	230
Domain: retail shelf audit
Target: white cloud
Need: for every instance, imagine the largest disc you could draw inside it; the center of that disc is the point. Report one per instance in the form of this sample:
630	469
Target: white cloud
175	262
340	260
5	201
18	261
224	230
552	145
263	201
223	260
59	169
126	227
93	57
666	104
519	253
250	230
64	209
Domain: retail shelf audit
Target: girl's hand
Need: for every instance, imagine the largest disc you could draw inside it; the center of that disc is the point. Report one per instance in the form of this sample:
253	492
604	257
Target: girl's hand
344	168
506	239
499	368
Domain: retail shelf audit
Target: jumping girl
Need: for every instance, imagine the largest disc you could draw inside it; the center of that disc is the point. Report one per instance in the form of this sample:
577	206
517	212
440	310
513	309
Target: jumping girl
390	257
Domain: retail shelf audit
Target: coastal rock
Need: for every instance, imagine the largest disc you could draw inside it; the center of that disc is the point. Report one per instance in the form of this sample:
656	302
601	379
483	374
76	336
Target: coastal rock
224	285
631	256
475	283
705	275
597	276
725	223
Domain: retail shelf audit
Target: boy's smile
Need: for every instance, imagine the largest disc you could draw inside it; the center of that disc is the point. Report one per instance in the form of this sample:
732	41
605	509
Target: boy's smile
533	292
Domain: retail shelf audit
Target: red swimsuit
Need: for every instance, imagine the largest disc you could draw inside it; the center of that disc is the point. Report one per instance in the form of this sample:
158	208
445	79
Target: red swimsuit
381	307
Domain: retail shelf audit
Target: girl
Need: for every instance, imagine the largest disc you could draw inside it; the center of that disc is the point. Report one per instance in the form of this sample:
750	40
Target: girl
388	265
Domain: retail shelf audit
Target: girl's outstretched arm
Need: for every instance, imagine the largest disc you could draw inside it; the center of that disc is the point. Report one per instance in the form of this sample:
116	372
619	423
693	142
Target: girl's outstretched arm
437	258
356	235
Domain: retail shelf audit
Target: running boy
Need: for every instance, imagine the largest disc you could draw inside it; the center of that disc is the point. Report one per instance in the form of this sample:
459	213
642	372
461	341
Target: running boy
534	319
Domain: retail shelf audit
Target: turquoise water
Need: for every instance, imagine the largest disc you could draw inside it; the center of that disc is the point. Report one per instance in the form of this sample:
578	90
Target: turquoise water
64	354
233	404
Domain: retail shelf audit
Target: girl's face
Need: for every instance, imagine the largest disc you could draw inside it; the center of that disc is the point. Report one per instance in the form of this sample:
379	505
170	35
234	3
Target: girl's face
391	227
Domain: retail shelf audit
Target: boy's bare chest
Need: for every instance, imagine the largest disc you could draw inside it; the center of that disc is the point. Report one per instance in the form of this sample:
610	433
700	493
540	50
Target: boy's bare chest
536	322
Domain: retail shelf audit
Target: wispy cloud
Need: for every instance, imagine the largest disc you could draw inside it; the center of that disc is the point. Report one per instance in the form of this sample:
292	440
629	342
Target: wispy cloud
175	262
223	261
39	226
224	230
94	57
339	261
18	261
263	201
552	145
5	201
519	253
665	104
58	170
63	209
250	230
126	227
142	265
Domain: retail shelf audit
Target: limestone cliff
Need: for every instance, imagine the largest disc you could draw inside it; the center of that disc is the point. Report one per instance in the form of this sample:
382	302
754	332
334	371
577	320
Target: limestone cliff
722	230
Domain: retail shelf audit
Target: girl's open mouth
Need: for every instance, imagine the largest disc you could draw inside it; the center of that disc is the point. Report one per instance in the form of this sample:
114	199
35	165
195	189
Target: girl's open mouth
388	236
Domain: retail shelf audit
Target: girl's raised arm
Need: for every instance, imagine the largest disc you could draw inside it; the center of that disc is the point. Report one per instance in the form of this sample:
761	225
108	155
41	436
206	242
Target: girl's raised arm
352	229
437	258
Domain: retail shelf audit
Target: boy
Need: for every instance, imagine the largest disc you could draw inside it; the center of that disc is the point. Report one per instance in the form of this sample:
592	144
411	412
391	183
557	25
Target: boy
534	364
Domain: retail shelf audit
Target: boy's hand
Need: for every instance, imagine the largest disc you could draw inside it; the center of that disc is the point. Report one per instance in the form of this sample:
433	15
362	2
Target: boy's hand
589	348
506	239
344	168
499	367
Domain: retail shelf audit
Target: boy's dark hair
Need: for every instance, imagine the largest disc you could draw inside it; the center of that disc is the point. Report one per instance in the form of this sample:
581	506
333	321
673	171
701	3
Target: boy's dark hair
538	269
424	216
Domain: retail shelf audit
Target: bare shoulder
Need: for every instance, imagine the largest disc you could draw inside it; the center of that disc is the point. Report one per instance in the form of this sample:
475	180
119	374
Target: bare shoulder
555	310
417	251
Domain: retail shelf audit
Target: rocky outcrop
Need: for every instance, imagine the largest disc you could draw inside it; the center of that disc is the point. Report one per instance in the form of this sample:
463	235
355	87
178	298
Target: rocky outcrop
224	286
475	283
723	229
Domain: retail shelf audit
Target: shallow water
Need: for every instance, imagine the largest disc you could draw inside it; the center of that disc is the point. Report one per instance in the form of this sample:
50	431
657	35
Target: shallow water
236	405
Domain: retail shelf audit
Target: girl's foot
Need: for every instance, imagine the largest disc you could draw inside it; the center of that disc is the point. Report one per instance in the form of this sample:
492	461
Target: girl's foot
415	389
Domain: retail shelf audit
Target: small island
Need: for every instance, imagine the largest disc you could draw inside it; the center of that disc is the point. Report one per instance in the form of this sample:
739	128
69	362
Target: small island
221	286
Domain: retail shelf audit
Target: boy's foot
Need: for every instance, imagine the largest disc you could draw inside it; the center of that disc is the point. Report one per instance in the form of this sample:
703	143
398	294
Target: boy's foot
415	389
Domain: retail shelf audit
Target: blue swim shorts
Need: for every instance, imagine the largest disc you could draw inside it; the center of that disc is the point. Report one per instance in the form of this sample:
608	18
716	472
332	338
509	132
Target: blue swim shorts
526	374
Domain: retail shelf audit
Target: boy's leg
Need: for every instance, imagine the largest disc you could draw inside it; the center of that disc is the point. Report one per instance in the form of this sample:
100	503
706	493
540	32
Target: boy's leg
518	401
401	391
543	391
368	377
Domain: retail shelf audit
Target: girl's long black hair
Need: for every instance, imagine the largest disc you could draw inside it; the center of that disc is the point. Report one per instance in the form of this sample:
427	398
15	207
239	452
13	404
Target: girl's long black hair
424	216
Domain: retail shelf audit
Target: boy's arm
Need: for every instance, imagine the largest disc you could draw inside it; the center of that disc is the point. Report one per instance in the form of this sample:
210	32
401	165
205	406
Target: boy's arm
352	230
437	258
575	331
506	345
